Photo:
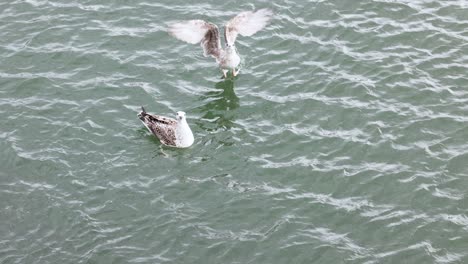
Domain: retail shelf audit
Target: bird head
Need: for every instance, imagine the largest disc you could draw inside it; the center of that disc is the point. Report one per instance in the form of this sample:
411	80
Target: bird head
180	115
230	47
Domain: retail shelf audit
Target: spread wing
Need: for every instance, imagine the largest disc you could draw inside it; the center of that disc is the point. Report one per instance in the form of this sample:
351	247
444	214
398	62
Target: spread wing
195	31
246	23
161	127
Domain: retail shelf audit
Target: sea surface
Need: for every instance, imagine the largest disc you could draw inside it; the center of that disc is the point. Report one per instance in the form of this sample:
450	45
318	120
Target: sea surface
344	139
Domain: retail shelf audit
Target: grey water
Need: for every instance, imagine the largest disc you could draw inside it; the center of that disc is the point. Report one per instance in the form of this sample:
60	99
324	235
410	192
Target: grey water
342	140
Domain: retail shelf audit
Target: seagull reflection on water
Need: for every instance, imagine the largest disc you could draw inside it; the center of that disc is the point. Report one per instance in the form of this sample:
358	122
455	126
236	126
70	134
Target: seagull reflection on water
220	106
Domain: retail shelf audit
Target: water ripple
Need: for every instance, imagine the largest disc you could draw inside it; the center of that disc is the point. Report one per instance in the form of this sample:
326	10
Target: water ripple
343	138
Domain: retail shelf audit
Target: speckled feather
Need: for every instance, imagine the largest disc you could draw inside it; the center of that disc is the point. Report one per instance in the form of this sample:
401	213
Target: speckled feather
162	127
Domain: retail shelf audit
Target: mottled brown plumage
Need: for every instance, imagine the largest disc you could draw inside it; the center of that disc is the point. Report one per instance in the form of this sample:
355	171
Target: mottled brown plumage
211	43
171	132
161	127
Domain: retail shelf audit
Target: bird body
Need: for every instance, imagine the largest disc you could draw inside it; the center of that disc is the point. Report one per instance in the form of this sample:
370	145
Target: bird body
229	59
207	34
171	132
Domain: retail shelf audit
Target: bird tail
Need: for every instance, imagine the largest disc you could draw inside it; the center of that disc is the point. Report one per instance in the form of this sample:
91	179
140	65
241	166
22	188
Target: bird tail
142	114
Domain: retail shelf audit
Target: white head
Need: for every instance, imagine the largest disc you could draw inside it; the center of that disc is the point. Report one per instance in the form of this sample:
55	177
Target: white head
184	134
180	116
230	48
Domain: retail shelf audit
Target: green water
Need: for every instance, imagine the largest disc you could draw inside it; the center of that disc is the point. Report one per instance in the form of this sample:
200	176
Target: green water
343	139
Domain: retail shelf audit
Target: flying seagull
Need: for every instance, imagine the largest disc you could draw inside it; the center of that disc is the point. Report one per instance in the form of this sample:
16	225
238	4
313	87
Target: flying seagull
171	132
195	31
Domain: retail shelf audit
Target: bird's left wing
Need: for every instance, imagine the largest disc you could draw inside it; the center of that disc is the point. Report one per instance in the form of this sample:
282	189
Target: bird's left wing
246	23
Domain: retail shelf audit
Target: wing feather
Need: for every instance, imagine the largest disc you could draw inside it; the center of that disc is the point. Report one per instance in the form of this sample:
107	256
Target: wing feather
191	31
195	31
160	119
211	43
162	127
246	23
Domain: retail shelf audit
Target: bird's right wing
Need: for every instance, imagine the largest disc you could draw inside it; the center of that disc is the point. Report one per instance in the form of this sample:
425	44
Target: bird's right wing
162	127
195	31
162	120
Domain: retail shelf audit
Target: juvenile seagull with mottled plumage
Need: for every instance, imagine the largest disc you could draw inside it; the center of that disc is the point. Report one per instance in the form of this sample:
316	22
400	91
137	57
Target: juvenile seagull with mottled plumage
171	132
195	31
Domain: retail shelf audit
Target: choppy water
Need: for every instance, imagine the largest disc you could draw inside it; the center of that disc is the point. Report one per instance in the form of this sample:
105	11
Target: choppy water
343	140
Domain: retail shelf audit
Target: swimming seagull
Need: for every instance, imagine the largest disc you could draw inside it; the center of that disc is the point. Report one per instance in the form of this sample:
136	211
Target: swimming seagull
195	31
171	132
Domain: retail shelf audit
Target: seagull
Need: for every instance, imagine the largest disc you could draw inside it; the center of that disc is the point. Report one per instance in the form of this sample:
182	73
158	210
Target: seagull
171	132
207	34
